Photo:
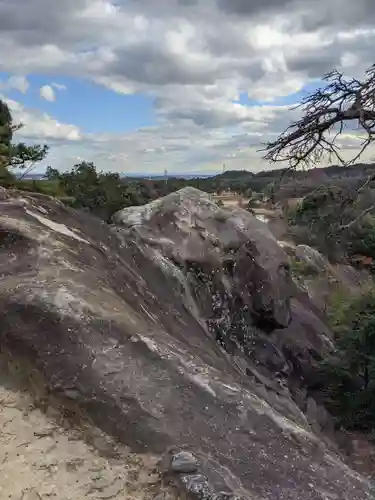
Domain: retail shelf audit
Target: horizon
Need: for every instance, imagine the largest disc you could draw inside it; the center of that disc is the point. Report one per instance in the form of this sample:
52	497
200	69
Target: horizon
140	86
195	175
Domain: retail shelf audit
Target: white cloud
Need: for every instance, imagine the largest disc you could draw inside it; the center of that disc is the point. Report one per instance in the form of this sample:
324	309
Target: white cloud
58	86
41	126
194	57
16	82
47	93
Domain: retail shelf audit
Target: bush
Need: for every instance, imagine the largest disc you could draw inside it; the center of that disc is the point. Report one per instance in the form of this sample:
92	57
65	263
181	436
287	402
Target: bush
301	268
362	241
319	219
350	373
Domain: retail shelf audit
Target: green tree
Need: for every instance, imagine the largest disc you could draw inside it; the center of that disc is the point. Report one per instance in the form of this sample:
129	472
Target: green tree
19	155
6	133
101	193
52	174
349	376
25	157
318	220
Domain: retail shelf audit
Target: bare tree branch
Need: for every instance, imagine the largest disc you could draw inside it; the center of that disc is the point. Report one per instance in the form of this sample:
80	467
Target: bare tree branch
325	114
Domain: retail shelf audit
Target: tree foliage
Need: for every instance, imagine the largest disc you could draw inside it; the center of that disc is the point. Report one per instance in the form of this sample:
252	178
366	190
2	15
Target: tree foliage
349	375
19	155
25	157
7	128
320	217
101	193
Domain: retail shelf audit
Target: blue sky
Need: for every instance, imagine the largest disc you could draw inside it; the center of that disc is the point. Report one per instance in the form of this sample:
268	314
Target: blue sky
144	86
93	108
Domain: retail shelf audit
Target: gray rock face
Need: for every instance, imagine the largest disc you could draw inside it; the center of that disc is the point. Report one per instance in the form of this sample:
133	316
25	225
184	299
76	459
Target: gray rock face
152	329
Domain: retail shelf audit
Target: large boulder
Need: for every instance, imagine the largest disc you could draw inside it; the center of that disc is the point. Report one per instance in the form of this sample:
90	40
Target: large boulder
146	328
234	251
235	276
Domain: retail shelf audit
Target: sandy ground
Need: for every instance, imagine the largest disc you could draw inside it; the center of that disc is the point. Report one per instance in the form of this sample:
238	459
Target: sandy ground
41	460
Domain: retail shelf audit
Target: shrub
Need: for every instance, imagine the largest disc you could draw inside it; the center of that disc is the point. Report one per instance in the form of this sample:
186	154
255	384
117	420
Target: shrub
350	373
362	241
319	219
301	268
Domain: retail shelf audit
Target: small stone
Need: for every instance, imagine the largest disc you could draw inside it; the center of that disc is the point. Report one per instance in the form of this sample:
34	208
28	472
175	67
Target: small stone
197	485
184	462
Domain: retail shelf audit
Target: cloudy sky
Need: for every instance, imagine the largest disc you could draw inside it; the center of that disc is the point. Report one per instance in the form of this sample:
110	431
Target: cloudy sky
187	85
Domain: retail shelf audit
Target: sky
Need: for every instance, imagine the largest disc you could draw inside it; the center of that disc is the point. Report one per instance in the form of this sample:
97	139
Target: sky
140	86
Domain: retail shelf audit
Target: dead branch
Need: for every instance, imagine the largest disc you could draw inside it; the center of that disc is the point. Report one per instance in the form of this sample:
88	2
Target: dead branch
325	113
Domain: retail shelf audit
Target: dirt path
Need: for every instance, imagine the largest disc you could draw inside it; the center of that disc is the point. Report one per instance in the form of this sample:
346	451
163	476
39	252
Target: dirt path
40	460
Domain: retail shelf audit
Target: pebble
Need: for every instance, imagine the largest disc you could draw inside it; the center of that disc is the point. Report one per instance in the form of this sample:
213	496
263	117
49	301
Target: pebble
184	462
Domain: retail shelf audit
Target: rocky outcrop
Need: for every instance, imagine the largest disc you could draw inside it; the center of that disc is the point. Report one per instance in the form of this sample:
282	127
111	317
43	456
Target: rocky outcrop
235	278
164	330
321	279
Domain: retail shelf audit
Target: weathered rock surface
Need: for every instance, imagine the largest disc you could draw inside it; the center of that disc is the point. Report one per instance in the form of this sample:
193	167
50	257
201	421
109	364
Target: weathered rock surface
165	332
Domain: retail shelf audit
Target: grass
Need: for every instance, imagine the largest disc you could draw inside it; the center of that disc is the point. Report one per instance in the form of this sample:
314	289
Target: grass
51	188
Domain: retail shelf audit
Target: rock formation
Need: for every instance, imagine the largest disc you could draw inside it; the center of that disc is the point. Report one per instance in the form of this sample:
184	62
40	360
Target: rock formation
176	328
321	279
